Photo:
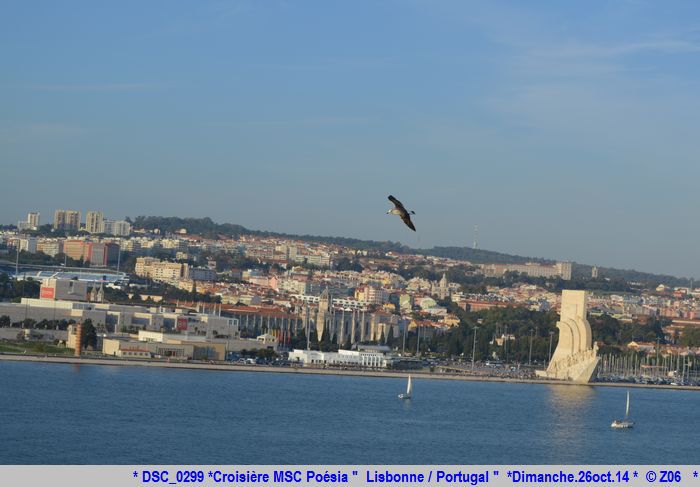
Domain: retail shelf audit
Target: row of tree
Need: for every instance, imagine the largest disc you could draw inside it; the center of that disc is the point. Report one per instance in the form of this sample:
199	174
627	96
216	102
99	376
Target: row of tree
14	290
524	334
88	337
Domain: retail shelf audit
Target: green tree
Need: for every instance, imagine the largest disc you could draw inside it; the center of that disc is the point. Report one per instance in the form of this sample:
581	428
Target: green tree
605	328
691	338
89	335
455	344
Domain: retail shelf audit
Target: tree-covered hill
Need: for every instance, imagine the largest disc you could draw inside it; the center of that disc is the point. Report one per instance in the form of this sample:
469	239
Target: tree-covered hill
206	227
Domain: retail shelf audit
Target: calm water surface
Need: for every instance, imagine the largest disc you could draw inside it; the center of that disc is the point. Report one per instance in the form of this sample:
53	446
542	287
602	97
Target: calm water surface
83	414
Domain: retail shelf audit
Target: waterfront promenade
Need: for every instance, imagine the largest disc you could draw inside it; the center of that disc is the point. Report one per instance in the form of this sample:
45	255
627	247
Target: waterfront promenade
313	370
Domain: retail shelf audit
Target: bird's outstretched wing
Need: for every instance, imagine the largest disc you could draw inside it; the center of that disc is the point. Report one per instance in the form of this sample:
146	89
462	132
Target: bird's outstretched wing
407	220
397	203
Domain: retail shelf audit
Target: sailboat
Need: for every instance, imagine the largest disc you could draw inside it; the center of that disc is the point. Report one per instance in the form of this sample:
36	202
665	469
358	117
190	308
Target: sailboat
624	423
409	390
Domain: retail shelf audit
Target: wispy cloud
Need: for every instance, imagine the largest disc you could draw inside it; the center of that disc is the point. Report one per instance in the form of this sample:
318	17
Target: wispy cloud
229	8
96	87
581	59
201	17
314	121
589	50
640	61
38	131
353	64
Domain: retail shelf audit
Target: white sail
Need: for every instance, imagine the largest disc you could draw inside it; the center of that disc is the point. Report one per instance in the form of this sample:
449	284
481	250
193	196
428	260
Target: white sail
409	387
624	423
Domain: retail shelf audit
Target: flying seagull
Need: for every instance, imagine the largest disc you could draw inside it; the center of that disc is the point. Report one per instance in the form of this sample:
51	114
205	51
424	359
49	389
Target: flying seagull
405	215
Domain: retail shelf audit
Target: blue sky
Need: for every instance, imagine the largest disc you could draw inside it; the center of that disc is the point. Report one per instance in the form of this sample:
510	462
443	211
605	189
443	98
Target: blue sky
562	129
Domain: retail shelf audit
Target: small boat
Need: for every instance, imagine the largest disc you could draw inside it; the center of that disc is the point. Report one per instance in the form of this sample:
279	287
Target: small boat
624	423
409	390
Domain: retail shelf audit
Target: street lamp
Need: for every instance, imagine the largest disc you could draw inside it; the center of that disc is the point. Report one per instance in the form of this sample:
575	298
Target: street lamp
657	350
529	356
417	339
474	347
405	330
19	243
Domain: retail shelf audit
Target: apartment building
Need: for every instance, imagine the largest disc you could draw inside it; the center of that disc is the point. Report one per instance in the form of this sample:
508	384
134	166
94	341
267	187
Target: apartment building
66	220
159	270
94	222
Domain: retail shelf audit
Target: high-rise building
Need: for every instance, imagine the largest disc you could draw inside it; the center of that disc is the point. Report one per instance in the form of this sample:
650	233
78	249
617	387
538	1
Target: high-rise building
67	220
94	222
31	223
33	220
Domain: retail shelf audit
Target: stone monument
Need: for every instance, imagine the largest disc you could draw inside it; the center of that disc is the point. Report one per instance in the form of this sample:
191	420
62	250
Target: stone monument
575	358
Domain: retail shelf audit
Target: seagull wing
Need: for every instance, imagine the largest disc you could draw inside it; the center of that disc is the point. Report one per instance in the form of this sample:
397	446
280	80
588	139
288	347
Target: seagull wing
407	220
397	203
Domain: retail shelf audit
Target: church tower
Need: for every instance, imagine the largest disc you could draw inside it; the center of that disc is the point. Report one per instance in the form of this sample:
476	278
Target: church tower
444	289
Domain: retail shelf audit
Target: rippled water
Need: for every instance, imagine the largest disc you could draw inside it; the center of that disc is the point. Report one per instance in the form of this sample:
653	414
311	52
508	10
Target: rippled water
78	414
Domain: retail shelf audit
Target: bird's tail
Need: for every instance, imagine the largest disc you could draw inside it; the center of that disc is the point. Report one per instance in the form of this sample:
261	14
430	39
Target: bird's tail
413	213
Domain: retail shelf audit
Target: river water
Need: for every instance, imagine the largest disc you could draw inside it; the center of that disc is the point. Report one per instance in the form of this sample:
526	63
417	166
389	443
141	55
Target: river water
87	414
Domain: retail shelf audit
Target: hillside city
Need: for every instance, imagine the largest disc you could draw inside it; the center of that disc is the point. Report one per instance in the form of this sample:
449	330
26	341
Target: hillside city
161	293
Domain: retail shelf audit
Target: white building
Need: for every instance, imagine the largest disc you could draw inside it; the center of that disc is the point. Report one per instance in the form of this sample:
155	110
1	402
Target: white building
340	303
532	269
33	220
115	317
28	245
119	228
50	247
348	358
158	270
31	223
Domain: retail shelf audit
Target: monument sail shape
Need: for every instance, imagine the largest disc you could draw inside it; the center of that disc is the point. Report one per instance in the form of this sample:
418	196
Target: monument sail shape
575	358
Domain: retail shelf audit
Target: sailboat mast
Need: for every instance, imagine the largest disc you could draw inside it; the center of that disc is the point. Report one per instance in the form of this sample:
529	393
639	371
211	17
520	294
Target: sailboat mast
627	409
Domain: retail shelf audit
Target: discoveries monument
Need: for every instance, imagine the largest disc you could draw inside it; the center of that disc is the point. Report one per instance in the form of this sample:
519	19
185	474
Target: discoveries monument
575	358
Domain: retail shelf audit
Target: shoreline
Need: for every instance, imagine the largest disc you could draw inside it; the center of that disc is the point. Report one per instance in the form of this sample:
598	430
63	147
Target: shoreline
314	371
